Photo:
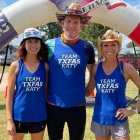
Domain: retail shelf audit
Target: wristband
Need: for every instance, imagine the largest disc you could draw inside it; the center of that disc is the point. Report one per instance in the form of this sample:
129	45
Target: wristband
134	109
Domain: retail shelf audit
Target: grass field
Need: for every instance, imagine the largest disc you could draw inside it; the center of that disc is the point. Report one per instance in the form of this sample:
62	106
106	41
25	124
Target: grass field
6	68
134	120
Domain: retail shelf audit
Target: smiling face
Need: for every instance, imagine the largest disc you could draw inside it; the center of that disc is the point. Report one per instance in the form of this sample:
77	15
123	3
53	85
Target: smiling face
32	46
110	49
71	26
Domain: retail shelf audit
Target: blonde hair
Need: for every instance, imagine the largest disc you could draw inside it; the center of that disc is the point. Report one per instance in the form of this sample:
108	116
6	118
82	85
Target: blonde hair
110	35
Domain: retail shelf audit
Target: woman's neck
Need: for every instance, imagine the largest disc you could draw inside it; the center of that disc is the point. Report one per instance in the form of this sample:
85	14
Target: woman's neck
110	62
31	59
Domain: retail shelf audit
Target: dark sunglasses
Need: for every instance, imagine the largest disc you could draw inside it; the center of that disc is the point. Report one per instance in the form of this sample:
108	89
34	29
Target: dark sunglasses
72	11
113	36
34	33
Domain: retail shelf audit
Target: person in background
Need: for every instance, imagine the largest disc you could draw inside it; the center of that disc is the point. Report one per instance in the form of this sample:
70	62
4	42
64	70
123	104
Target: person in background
110	76
27	87
68	58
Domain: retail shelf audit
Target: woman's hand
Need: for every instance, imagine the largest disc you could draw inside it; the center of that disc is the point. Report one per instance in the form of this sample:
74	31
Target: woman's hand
124	112
11	130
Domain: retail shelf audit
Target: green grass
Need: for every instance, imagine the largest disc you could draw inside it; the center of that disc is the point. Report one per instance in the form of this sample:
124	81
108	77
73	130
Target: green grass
6	68
134	120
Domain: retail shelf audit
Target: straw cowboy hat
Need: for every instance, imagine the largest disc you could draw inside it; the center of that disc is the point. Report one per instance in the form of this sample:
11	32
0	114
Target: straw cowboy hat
109	36
74	9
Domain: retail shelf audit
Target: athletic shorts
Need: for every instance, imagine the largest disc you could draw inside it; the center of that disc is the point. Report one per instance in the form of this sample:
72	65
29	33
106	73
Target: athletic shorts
30	127
75	118
116	131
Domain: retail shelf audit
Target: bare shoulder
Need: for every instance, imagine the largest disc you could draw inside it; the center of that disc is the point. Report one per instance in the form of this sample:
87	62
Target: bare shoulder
128	68
129	71
14	67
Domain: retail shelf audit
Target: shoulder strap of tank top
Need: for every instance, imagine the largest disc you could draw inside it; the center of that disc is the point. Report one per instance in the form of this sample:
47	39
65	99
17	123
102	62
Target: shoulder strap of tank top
121	66
51	46
99	66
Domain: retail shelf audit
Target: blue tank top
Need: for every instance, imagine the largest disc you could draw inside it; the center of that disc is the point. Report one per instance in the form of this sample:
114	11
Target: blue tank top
67	73
110	95
29	104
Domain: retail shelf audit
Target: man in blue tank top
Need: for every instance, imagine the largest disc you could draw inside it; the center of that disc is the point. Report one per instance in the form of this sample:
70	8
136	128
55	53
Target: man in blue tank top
110	76
68	58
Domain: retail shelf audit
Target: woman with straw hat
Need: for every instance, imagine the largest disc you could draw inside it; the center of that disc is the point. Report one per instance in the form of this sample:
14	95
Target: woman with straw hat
110	76
68	58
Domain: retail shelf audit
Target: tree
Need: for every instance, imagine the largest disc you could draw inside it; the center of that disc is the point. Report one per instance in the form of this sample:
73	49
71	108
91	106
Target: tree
93	31
90	32
50	30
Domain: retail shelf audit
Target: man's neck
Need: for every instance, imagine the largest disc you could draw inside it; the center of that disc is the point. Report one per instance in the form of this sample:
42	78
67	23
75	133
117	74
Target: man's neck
67	38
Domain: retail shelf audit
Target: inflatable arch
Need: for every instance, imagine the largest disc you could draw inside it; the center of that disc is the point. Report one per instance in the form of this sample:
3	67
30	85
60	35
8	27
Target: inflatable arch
26	13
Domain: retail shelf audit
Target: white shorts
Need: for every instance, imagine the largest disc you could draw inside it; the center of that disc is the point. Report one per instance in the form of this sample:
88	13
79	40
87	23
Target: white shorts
116	131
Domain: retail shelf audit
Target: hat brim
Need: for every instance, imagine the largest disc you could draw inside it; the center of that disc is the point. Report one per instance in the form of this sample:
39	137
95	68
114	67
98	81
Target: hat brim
99	40
84	19
110	40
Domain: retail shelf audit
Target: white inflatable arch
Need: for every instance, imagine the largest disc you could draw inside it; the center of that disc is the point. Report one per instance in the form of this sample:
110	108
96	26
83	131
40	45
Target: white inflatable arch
27	13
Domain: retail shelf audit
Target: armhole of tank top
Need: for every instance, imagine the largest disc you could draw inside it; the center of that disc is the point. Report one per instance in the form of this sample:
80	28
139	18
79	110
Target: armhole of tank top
86	50
121	66
19	65
44	68
98	65
51	47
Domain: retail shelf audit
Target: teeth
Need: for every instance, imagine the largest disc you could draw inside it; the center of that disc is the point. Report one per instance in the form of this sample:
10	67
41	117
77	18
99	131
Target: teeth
32	49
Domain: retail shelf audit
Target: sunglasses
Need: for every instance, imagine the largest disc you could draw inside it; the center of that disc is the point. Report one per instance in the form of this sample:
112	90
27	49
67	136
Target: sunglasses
33	33
72	11
114	35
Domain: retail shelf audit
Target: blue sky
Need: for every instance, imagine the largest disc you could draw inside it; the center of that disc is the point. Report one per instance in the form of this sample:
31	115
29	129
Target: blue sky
133	2
4	3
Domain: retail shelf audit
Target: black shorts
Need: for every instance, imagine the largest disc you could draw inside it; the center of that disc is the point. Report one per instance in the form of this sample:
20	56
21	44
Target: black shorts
74	117
29	127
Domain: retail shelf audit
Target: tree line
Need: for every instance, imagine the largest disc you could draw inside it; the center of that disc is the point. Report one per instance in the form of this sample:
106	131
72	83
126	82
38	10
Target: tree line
89	32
